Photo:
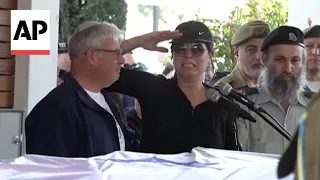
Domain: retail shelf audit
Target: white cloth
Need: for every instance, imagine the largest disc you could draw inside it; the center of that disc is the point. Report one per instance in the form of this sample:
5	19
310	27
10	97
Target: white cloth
201	163
313	85
99	99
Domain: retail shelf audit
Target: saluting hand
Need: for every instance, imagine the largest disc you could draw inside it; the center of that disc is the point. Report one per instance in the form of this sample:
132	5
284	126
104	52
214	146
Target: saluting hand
150	41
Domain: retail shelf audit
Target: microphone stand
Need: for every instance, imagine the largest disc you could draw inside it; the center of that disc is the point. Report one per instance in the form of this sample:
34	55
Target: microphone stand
235	129
283	132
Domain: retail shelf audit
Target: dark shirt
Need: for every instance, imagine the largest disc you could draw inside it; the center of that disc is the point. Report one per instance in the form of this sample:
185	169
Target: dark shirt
68	123
134	123
170	124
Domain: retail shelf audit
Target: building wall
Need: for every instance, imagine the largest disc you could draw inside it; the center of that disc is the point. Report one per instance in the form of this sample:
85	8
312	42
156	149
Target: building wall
7	62
36	76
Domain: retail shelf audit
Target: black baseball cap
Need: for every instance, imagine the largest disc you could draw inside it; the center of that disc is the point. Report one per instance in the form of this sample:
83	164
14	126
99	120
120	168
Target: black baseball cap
193	31
62	47
283	35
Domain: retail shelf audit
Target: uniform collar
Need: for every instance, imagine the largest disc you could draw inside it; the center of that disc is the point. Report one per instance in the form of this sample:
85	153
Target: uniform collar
239	79
264	96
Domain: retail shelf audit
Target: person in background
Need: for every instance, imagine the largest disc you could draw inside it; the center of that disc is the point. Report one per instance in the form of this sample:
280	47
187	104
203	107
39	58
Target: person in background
246	44
176	114
168	71
303	155
312	43
280	92
130	63
79	118
219	75
130	104
64	62
209	73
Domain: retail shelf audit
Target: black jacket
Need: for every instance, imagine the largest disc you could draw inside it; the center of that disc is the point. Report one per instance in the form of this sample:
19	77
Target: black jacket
68	123
169	122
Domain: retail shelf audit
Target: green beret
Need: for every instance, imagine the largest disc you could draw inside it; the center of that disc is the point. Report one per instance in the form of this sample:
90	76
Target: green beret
283	35
312	31
253	29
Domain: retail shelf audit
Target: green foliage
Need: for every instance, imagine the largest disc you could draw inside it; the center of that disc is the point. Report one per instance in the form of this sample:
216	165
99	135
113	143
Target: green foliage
272	11
74	12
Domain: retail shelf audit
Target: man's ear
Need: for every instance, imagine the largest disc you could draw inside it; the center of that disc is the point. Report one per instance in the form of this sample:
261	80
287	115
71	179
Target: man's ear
90	56
211	54
236	52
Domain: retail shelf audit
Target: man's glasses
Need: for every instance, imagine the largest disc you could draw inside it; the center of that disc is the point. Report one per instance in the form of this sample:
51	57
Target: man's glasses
118	52
196	49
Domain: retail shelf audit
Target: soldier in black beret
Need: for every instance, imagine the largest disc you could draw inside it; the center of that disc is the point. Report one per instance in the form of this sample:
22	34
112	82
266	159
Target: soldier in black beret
312	43
279	92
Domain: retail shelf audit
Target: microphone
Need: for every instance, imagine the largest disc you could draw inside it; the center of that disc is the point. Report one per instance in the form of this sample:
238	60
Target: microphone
215	96
227	90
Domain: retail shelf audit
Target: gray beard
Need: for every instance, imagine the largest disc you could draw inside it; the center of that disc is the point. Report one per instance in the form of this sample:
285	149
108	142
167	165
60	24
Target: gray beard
282	89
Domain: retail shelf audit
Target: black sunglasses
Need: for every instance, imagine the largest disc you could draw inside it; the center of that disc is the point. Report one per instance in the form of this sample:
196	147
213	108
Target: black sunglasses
196	49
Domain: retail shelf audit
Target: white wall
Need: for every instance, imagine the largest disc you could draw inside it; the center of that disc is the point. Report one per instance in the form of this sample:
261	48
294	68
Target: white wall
300	10
37	75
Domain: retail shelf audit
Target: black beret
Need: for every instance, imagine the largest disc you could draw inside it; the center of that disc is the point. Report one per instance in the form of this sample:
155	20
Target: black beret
283	35
312	31
193	31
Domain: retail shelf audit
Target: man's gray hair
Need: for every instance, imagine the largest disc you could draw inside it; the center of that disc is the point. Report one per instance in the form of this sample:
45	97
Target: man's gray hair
91	34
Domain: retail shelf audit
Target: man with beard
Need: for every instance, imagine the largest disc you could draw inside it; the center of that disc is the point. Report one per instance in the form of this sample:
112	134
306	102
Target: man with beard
246	44
280	92
312	43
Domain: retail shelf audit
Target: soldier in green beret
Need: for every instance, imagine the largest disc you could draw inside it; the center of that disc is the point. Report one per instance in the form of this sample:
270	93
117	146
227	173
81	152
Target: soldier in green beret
312	43
246	43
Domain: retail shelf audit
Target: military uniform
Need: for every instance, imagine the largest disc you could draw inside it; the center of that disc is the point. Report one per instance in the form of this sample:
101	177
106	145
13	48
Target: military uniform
236	80
303	152
260	136
254	29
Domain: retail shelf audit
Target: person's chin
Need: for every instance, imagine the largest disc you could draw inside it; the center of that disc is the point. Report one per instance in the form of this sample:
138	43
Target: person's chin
190	74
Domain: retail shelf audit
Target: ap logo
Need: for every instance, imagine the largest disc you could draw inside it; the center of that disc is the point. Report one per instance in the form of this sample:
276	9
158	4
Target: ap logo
30	32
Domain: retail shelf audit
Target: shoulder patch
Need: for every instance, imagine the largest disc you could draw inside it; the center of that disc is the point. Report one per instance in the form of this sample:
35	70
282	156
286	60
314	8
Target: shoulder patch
308	94
247	91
